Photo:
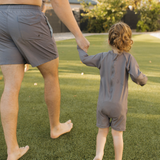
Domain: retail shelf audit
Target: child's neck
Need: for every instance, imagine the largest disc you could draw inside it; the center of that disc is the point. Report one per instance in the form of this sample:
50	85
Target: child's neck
115	50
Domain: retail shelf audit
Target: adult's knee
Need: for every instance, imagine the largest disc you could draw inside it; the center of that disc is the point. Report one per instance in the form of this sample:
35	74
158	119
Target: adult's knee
51	77
11	89
12	86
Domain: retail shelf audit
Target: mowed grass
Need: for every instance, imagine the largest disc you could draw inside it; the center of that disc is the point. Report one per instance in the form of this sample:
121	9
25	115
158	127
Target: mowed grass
79	94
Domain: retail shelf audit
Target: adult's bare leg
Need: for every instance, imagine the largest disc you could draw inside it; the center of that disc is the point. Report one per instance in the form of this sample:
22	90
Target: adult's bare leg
49	71
13	76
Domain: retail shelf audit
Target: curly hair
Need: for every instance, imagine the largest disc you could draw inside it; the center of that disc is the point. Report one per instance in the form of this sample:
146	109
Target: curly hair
120	37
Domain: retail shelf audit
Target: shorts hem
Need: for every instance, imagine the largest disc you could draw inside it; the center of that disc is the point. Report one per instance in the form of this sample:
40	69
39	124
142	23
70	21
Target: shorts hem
36	65
118	129
1	64
99	126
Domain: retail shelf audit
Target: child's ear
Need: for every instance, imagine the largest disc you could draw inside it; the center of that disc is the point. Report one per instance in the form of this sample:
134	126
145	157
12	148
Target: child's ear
108	42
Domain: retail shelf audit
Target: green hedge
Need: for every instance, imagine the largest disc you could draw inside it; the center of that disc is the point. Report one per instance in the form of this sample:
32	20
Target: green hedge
149	16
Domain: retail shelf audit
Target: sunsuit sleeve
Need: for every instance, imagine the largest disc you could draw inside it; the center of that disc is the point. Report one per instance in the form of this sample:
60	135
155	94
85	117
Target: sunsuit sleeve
136	75
94	60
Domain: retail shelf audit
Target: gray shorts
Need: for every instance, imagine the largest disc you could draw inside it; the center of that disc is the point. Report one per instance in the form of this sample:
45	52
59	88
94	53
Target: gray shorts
112	114
25	36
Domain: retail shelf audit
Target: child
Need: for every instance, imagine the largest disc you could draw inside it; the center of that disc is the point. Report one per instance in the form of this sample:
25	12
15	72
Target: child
114	66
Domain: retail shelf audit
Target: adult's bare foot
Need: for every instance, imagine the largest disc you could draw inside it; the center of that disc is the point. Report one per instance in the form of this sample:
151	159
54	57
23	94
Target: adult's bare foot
18	154
62	128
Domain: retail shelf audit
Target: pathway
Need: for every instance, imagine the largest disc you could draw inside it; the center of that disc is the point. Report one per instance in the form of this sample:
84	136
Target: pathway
69	35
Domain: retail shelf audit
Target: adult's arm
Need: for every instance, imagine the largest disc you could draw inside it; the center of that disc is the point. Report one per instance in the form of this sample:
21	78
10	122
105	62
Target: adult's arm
63	10
43	7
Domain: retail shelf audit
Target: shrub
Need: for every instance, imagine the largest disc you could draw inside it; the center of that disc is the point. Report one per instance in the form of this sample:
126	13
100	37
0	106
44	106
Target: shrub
149	16
102	16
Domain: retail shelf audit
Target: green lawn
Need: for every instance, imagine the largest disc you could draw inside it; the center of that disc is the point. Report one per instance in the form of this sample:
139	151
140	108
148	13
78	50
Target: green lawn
79	94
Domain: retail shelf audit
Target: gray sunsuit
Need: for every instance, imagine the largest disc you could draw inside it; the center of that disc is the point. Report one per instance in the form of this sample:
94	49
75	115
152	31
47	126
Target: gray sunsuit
25	36
113	93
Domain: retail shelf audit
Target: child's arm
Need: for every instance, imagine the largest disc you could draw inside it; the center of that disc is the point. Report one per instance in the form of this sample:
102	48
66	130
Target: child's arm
136	75
94	60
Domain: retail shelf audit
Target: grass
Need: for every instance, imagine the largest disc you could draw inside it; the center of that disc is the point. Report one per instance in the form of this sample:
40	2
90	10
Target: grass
79	94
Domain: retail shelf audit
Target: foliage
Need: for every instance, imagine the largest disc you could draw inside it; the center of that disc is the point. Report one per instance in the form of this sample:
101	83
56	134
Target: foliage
107	12
103	15
149	16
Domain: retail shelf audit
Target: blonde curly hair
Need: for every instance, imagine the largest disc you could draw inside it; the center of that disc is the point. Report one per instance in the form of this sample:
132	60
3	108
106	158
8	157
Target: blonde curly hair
120	37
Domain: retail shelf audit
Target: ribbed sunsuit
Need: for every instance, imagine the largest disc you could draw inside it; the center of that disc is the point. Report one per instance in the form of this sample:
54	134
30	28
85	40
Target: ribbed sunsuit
113	93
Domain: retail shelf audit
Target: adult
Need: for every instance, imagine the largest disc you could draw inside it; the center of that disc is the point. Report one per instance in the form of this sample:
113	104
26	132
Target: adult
25	37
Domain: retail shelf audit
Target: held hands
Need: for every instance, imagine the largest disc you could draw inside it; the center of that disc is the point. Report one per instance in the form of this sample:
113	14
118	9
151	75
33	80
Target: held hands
83	43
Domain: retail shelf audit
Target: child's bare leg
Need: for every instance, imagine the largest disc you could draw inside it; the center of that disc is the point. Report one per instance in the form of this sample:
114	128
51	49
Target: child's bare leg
26	67
101	140
118	144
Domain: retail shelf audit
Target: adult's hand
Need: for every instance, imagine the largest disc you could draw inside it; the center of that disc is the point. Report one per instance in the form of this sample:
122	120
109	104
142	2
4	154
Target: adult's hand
83	43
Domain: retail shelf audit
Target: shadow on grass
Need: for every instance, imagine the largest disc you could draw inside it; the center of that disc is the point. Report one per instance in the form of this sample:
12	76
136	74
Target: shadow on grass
154	79
80	70
79	95
79	101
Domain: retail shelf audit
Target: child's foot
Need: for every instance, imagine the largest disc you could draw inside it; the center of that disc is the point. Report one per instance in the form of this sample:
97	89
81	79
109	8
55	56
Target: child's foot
62	128
97	158
26	67
18	154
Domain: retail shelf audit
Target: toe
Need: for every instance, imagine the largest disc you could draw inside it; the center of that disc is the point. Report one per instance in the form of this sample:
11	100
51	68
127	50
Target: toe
27	147
69	121
24	149
71	125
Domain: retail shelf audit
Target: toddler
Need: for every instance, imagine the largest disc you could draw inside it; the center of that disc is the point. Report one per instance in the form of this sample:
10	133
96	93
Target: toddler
115	67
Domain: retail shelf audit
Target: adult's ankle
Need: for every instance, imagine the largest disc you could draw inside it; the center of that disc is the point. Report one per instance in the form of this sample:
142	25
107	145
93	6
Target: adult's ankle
11	151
